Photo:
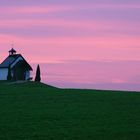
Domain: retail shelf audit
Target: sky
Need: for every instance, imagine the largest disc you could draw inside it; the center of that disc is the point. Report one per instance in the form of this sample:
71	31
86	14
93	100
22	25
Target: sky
91	41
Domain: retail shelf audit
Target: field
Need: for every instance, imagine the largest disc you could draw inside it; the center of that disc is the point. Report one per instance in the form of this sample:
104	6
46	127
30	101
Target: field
33	111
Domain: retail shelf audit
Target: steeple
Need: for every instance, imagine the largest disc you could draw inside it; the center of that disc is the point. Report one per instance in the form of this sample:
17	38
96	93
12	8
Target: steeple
12	52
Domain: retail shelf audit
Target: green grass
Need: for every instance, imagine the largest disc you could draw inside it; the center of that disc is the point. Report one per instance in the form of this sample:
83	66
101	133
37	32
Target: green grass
33	111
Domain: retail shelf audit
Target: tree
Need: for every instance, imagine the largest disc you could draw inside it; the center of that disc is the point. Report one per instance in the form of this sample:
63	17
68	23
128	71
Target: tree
37	77
9	76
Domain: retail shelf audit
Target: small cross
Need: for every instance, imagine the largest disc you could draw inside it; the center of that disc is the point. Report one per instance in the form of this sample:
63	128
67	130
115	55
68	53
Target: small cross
12	45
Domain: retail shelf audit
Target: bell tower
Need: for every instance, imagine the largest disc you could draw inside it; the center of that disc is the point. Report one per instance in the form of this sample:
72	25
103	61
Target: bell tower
12	52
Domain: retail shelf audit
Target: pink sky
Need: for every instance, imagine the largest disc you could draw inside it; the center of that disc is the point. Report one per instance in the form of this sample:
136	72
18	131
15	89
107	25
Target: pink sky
70	31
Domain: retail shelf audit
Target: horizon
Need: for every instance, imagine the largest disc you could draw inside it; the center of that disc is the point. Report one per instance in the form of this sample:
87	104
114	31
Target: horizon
84	43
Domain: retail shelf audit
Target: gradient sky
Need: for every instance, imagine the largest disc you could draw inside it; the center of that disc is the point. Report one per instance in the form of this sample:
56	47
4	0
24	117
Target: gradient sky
103	34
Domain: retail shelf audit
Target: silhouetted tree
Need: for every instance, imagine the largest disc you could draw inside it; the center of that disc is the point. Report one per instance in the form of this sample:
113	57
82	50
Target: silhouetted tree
9	76
37	77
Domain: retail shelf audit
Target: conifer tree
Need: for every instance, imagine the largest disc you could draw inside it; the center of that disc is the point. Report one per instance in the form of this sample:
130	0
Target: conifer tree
9	76
37	77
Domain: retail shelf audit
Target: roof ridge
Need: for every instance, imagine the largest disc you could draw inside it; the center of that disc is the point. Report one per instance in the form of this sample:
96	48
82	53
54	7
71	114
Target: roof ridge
11	59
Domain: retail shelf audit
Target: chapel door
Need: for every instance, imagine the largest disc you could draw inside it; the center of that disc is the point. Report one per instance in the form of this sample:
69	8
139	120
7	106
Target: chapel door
20	74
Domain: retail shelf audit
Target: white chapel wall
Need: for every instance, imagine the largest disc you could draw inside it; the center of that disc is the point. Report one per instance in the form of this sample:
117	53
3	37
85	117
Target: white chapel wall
3	73
27	75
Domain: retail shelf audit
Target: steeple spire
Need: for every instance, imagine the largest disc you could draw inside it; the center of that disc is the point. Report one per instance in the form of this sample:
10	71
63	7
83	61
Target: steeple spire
12	52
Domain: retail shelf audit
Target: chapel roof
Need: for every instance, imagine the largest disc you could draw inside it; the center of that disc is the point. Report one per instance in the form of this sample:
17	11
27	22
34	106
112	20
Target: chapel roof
11	59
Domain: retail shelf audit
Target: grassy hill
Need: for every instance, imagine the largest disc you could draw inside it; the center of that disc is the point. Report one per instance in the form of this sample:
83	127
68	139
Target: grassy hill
32	111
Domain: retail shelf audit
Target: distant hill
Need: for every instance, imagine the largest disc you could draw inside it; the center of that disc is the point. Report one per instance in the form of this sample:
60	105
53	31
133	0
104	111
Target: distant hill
35	111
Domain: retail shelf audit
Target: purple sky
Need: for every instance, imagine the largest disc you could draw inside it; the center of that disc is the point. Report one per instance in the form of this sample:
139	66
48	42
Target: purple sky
95	38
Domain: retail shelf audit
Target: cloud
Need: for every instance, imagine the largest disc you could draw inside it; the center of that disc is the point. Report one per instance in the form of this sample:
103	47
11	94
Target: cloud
91	38
32	9
105	42
42	49
64	8
52	10
88	25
